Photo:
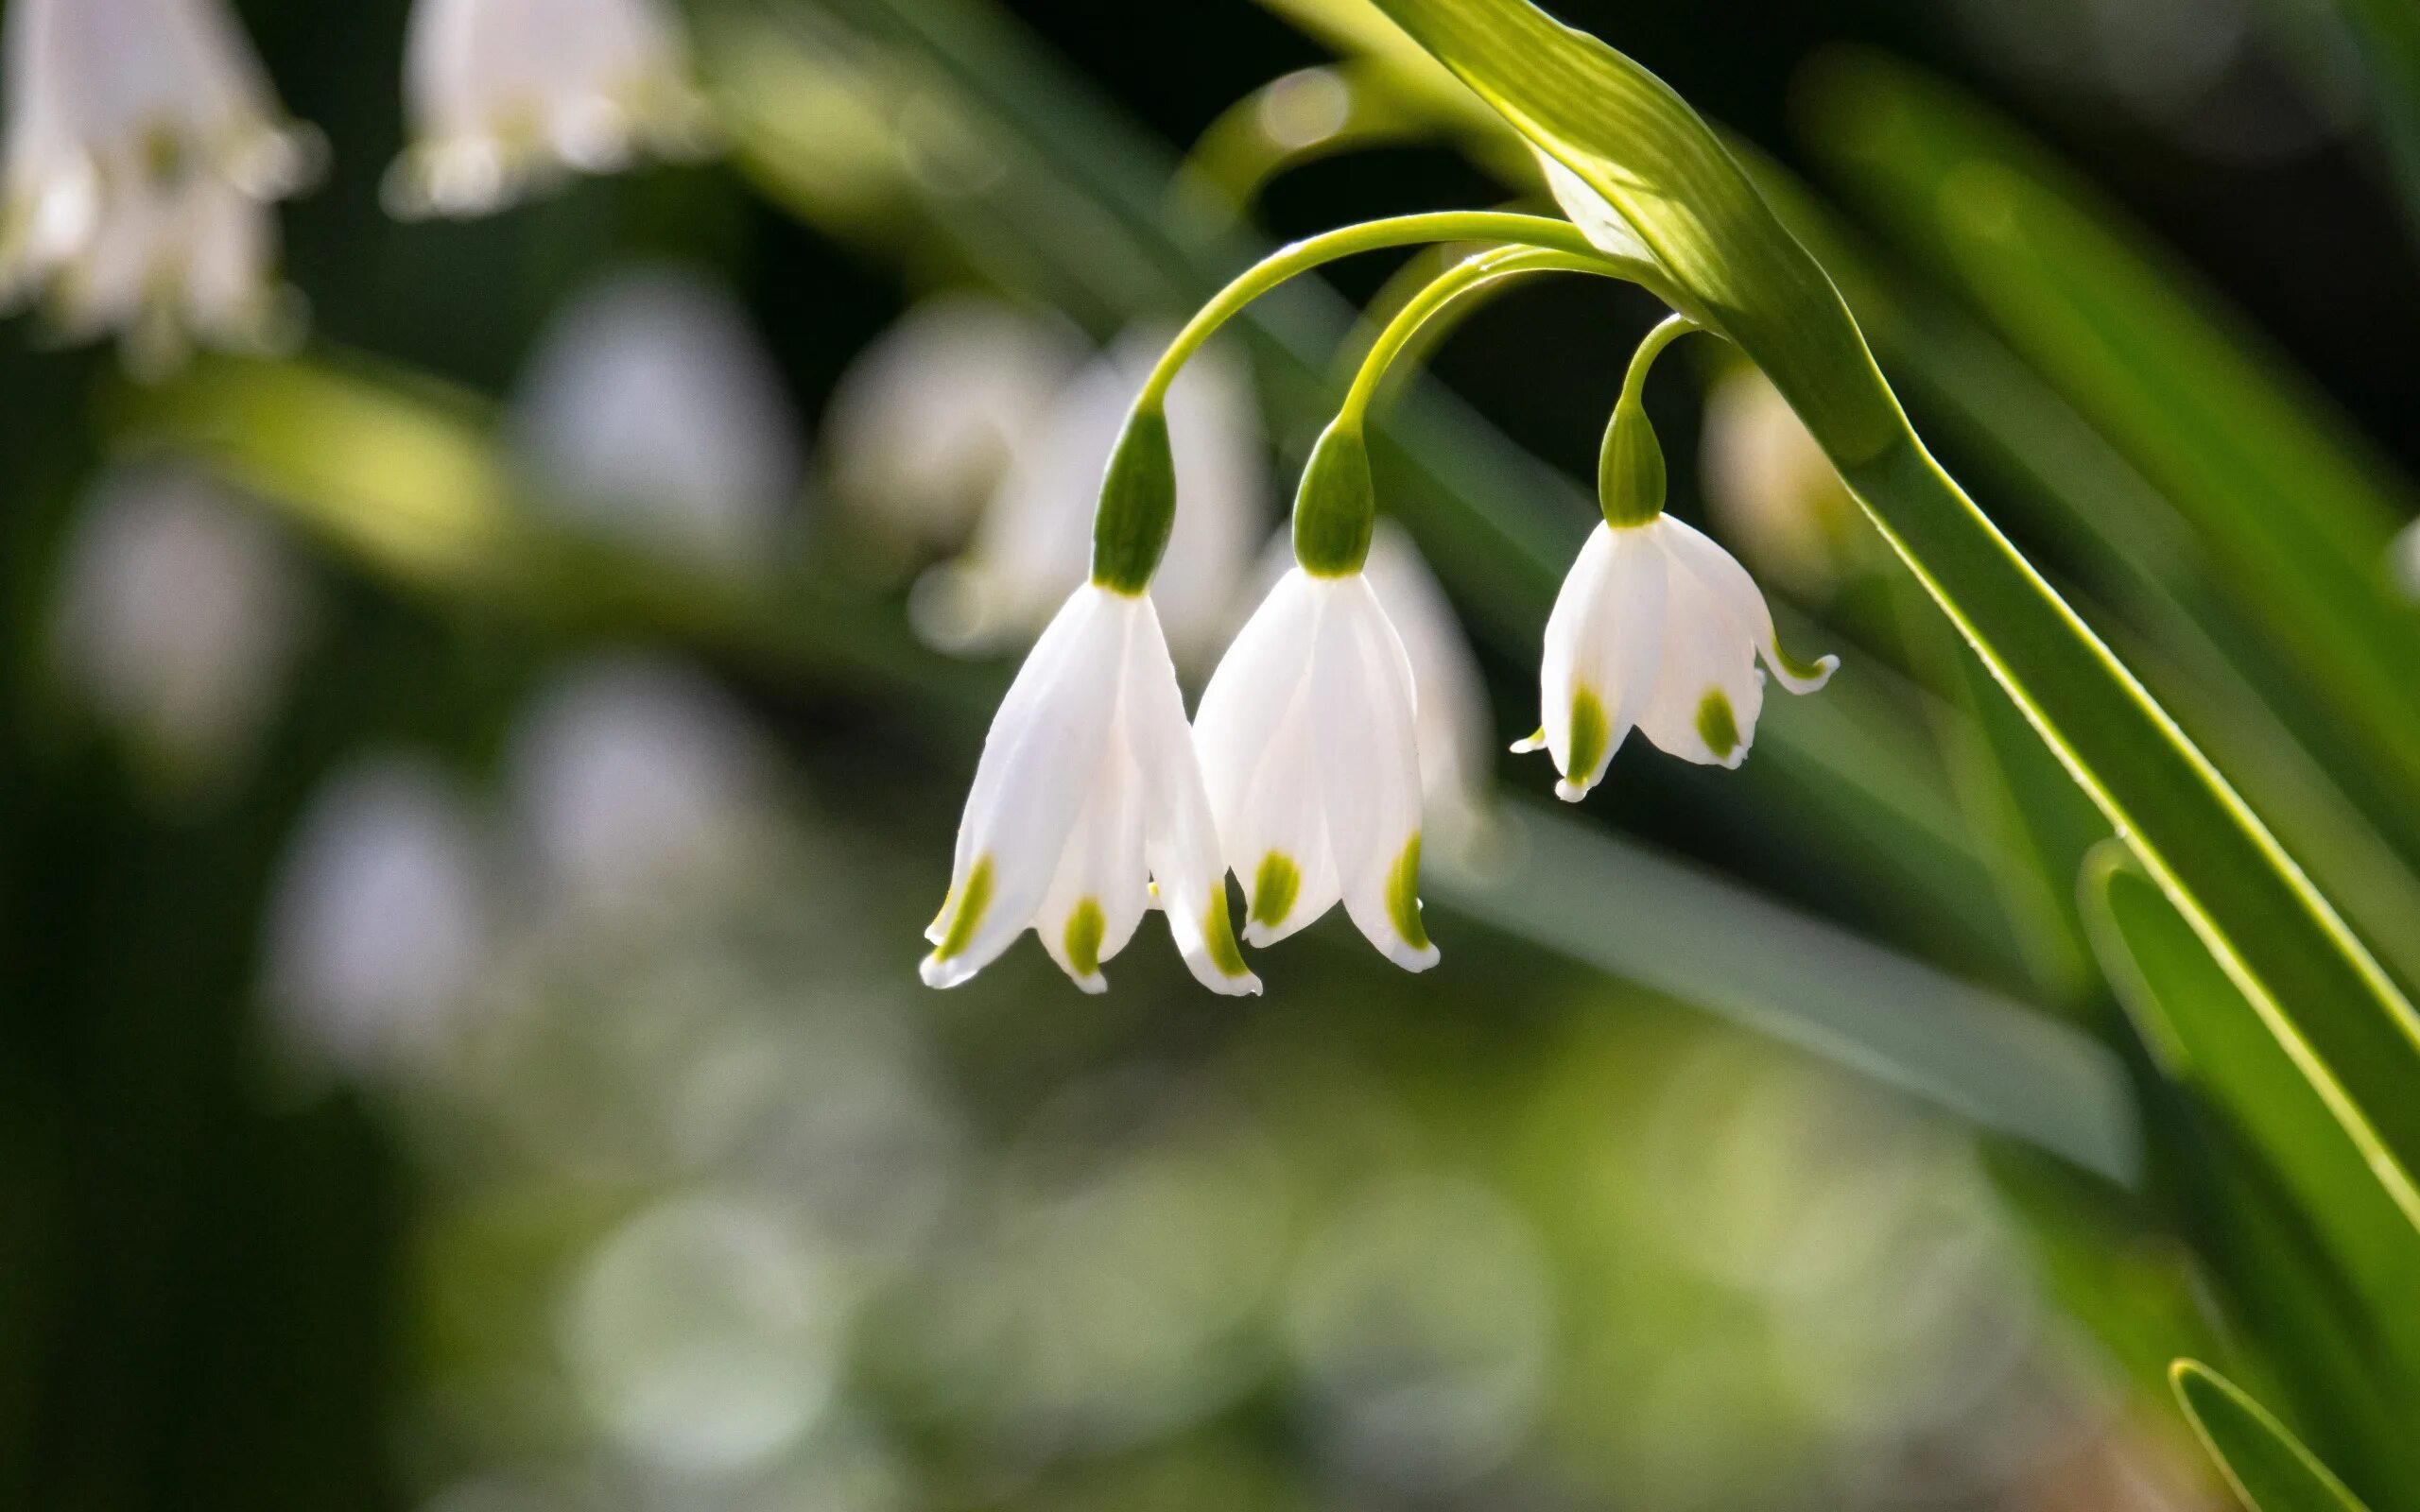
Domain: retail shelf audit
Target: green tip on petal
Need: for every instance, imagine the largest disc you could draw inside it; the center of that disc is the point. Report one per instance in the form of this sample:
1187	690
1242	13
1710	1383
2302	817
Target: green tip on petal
1403	895
1085	928
1590	730
1219	935
972	901
1717	726
1274	889
1815	672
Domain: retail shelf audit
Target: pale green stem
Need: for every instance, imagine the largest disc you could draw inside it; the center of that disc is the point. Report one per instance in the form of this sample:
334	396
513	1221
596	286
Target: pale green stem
1650	347
1371	236
1464	278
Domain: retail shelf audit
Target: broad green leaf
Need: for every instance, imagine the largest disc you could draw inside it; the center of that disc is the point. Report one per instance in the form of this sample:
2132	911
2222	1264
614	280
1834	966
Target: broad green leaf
2206	1037
1639	144
2294	511
2267	1467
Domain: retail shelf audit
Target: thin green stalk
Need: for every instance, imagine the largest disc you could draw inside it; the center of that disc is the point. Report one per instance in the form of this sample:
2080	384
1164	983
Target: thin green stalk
1371	236
1448	289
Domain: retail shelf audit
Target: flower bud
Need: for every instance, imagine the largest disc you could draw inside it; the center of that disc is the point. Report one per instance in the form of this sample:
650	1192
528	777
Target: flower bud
1630	470
1337	507
1137	506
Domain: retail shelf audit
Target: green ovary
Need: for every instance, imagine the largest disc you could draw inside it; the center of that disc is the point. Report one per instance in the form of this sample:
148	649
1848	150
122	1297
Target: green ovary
1589	734
1716	725
1403	895
1085	927
1274	891
972	901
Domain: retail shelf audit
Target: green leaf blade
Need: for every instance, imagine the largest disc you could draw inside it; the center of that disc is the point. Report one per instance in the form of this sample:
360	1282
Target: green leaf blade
2266	1466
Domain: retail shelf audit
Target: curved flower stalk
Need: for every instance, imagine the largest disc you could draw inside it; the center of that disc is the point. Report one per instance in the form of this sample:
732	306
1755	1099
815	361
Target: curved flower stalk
924	423
1657	628
1029	547
1308	734
1087	808
507	96
143	146
653	413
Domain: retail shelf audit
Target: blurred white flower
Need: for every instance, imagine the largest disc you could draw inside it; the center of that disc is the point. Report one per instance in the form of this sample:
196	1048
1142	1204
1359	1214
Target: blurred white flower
704	1333
506	95
143	146
2405	559
377	925
652	412
1453	721
926	420
178	615
635	783
1772	490
1422	1322
1034	544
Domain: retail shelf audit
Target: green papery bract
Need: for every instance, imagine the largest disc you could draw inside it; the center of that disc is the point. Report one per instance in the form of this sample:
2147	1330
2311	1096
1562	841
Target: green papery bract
1337	507
1137	506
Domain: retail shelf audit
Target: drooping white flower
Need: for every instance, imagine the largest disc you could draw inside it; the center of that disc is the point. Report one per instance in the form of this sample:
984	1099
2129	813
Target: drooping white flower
638	787
143	146
1657	628
378	922
178	615
1308	743
1034	541
506	95
652	412
1088	807
925	421
1452	720
1771	489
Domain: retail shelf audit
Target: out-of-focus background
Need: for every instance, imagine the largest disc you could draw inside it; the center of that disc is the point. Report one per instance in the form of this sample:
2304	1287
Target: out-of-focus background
471	787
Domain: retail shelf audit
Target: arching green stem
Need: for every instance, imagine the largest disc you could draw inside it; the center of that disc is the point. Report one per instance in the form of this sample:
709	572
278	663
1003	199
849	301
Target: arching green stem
1629	468
1464	278
1401	230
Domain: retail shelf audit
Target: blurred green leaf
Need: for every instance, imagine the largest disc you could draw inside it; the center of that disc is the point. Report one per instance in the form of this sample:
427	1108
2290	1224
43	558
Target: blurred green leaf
1640	145
2207	1036
2294	510
2268	1468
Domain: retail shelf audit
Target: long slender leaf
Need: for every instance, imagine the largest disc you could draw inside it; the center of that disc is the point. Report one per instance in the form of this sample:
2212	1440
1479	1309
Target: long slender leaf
2294	510
2209	1037
1638	143
2267	1467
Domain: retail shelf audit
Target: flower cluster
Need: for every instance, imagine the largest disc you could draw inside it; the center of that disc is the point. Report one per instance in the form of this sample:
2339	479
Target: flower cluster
1303	772
145	147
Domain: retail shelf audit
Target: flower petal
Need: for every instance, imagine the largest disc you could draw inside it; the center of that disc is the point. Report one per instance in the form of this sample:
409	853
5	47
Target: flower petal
1045	747
1707	692
1277	840
1369	767
1255	682
1731	585
1615	641
1101	890
1180	838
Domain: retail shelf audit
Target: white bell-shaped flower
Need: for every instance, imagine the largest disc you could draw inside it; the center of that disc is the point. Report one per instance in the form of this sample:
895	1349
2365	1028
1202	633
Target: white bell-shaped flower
924	423
1308	735
652	412
1453	720
1088	807
1035	537
144	146
1657	628
507	95
2404	560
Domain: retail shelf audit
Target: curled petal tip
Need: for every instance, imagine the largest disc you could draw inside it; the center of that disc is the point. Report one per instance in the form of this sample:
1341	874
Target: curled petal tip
1571	792
1245	986
937	973
1096	984
1414	960
1257	933
1526	744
